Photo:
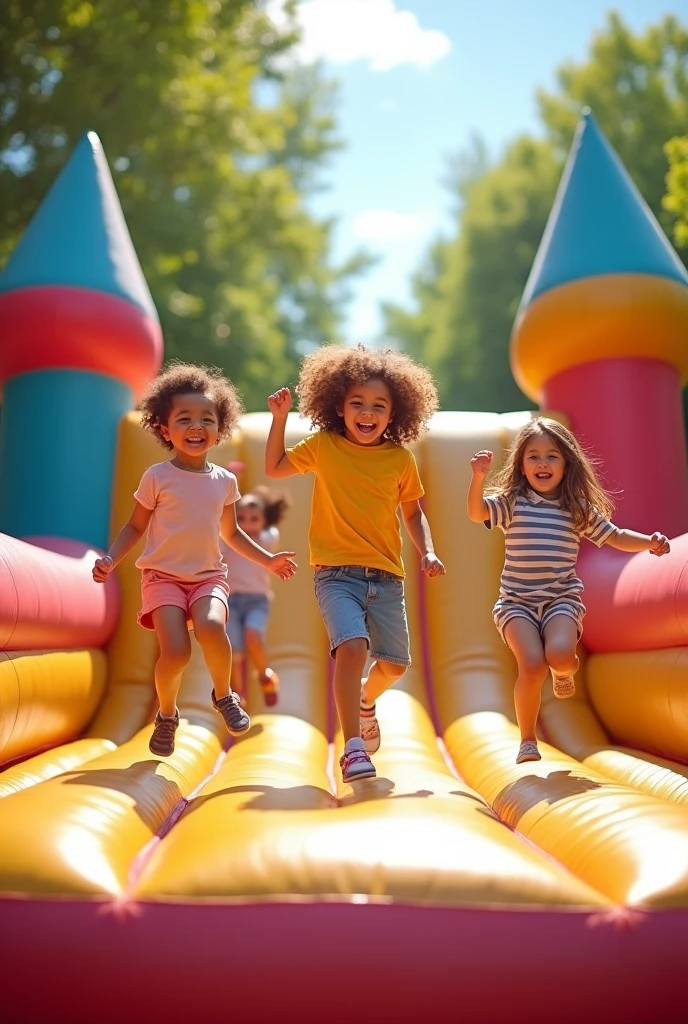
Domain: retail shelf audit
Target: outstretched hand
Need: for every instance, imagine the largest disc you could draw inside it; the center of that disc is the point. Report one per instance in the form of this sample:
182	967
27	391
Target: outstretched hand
659	544
480	464
282	564
280	402
431	565
102	568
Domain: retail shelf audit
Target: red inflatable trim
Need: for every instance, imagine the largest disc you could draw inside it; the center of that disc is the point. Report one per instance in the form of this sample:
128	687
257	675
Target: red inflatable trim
53	327
635	602
48	598
106	961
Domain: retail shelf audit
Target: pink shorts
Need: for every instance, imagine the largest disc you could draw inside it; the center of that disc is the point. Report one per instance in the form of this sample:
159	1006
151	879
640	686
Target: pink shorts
159	589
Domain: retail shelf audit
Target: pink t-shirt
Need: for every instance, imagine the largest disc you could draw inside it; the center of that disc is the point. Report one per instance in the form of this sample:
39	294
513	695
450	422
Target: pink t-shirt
245	576
183	537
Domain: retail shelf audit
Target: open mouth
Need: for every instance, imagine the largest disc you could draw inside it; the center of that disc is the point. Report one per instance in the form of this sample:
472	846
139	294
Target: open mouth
366	428
195	442
543	476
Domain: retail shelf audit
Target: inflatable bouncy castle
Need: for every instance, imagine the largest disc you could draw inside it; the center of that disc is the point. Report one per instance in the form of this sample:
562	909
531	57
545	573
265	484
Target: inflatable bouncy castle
245	881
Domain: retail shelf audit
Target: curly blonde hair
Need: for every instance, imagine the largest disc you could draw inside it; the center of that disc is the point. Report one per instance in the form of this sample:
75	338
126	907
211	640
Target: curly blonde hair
326	376
582	493
184	379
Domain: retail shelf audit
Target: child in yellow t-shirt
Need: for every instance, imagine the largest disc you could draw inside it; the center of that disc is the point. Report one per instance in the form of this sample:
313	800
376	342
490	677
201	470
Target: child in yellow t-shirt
366	406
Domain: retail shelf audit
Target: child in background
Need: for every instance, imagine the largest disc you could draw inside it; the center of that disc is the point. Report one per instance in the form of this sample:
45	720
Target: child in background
366	406
545	499
250	589
184	505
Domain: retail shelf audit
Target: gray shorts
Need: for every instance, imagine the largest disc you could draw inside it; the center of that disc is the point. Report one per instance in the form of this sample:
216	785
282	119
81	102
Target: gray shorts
539	613
369	603
246	611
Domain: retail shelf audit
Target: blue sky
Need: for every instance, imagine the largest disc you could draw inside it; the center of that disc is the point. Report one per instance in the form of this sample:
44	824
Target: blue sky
417	79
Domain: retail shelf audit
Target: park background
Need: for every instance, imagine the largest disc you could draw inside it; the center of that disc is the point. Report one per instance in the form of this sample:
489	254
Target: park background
296	173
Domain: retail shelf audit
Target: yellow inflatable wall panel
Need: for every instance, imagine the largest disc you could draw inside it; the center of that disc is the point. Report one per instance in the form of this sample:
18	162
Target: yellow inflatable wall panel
573	727
626	844
268	826
51	763
46	697
80	833
642	698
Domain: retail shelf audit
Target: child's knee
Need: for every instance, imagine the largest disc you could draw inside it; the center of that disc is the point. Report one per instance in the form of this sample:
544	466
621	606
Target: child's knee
175	657
391	670
253	637
532	669
561	656
211	632
353	650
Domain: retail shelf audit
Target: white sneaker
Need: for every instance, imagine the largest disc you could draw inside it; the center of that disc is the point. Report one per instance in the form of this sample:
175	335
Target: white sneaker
370	729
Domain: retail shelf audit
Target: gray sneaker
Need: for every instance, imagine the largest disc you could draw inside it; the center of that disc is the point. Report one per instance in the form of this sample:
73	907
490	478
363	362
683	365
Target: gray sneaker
162	741
234	716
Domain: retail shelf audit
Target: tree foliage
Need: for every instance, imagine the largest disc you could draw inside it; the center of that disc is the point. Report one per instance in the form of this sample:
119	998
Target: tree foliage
676	199
468	290
213	151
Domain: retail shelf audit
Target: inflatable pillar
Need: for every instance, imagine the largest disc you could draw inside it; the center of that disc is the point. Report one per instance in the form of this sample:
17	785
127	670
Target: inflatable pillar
602	331
79	337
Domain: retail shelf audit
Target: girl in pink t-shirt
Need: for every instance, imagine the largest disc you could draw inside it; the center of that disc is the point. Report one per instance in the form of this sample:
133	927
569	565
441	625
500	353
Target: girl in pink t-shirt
184	506
250	590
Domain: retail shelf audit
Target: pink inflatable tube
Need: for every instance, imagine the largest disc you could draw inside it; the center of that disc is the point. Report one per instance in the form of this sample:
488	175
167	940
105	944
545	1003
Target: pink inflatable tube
635	602
48	598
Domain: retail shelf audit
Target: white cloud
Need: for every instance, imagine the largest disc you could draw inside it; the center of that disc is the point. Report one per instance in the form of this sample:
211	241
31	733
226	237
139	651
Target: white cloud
376	225
345	31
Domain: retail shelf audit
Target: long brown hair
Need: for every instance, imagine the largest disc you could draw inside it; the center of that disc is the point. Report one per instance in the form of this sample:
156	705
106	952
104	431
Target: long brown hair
582	493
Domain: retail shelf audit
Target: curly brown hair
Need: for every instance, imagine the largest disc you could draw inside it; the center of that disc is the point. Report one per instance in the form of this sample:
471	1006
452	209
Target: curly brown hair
184	379
327	374
273	506
581	492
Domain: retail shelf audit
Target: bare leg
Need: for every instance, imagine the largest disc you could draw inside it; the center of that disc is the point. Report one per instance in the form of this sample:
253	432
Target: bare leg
350	658
209	618
382	675
526	645
175	651
561	640
237	675
255	648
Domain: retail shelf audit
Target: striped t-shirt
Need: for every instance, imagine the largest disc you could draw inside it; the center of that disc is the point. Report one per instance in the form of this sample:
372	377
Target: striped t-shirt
541	545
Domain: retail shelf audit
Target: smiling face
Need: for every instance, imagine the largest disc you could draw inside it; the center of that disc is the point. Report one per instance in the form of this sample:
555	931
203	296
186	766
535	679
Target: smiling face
192	427
251	518
367	412
543	465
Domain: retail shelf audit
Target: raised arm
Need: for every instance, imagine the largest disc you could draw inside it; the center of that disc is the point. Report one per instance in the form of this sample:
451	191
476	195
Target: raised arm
418	529
629	540
126	539
277	464
478	511
281	563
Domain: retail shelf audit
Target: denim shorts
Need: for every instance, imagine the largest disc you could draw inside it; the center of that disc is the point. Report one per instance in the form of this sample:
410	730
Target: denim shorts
246	611
359	602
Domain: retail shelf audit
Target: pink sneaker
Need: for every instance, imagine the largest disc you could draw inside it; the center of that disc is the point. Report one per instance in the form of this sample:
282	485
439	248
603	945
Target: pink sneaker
356	765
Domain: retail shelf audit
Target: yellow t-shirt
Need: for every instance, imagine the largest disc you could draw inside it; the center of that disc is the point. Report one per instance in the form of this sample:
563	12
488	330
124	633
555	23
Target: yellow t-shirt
355	499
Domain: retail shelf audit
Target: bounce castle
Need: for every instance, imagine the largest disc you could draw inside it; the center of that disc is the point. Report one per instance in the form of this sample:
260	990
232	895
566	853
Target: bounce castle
247	882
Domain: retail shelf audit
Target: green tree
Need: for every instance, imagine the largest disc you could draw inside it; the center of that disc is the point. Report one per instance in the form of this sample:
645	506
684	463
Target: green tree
676	199
468	290
213	151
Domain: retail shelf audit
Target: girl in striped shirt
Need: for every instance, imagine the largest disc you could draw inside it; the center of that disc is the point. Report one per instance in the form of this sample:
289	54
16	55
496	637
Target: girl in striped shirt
544	500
